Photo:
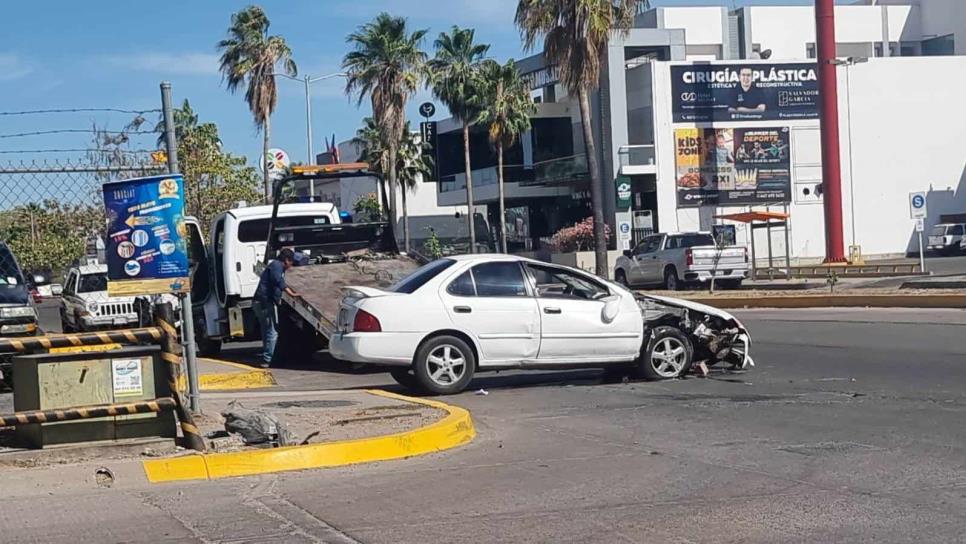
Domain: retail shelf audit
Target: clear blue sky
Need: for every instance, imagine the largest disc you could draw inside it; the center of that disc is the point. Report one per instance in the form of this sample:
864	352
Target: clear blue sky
69	54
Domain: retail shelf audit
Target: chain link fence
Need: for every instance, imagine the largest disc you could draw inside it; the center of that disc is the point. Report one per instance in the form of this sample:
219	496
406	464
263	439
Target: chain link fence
52	232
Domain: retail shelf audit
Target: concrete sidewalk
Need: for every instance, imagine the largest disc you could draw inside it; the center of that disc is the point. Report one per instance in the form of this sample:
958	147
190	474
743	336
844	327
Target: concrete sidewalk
329	429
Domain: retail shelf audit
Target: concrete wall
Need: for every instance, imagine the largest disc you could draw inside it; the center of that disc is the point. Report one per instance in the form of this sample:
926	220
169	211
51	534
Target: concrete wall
908	128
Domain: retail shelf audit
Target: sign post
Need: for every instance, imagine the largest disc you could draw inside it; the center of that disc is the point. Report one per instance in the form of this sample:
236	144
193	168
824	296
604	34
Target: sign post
917	211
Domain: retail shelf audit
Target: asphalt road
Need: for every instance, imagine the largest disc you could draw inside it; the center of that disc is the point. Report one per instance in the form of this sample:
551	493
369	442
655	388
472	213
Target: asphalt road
849	429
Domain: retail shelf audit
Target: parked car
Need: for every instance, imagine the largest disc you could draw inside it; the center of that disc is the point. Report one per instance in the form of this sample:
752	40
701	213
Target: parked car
86	306
670	260
456	316
18	317
946	238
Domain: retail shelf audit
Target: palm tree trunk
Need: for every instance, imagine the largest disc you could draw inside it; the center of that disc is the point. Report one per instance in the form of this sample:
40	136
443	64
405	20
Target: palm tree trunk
405	211
393	187
499	181
469	187
266	132
596	187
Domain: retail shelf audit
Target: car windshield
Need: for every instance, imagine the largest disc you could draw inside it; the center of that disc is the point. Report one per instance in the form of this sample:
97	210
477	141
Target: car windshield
694	240
9	271
938	230
91	283
417	279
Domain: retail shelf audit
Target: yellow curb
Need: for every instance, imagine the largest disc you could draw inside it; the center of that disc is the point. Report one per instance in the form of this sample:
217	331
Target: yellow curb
252	378
835	301
453	430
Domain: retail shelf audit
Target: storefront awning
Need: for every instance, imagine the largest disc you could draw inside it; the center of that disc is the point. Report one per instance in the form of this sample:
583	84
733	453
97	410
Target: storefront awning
751	217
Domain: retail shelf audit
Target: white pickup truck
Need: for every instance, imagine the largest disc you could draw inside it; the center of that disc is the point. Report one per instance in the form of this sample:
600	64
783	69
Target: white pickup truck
670	260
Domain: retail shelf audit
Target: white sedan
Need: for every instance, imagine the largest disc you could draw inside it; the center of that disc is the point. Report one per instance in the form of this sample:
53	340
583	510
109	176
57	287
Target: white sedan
456	316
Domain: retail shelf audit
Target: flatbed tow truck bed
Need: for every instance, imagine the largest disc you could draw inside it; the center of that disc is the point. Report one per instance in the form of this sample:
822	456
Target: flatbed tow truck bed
319	287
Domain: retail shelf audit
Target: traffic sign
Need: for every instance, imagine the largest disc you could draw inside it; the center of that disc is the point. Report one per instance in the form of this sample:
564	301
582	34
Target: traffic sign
917	205
920	224
427	109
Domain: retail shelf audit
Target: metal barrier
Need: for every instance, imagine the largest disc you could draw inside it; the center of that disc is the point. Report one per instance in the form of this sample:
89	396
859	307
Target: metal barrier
163	333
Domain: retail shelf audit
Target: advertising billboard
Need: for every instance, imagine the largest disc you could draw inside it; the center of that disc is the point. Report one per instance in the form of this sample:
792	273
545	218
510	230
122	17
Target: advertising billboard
705	93
146	238
732	166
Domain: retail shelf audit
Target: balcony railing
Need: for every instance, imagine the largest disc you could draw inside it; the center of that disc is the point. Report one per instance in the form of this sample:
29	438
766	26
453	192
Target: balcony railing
560	170
636	155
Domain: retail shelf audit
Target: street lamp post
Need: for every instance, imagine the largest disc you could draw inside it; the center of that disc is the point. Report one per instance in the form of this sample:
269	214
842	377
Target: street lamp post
308	81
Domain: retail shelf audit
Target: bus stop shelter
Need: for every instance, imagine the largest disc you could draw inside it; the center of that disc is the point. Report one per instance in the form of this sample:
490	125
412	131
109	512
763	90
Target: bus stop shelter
764	220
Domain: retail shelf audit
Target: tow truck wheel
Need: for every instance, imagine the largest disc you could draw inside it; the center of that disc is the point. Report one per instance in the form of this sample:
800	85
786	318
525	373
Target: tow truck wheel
208	347
668	355
404	377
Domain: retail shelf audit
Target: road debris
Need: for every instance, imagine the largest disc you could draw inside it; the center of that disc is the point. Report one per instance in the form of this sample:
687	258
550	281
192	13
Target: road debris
482	393
256	427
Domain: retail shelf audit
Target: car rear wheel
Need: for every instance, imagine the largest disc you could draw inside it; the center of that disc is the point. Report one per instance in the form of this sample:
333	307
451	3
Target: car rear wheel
668	355
671	279
444	365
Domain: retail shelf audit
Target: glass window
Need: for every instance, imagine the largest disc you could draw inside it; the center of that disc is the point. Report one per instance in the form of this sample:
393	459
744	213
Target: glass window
9	271
69	284
943	45
938	230
503	279
695	240
256	230
421	276
463	286
957	230
649	245
92	283
559	283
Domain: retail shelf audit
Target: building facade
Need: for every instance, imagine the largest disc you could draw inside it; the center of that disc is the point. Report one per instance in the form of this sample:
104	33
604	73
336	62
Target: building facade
676	155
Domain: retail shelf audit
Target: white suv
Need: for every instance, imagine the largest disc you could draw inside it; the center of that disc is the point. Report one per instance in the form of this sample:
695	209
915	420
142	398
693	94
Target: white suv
85	305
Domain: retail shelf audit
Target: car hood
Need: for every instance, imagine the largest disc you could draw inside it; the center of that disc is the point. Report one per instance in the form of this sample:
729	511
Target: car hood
697	306
14	294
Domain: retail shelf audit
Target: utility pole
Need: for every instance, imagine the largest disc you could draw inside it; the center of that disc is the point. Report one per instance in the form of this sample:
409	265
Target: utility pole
187	314
829	121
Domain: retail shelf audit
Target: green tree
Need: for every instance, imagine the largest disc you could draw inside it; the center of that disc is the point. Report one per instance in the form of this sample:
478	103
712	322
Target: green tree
185	119
575	35
50	235
505	108
386	65
249	55
412	160
214	179
454	78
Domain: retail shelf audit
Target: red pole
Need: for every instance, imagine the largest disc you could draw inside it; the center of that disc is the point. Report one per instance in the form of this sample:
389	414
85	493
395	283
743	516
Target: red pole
829	113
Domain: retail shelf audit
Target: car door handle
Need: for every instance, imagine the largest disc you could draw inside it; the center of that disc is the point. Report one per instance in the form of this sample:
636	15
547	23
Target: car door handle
552	311
462	309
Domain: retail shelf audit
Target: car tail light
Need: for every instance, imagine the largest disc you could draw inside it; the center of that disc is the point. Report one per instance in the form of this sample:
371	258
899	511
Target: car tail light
690	256
746	255
365	322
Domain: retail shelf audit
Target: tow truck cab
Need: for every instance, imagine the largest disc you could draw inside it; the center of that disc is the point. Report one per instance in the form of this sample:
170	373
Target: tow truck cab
224	271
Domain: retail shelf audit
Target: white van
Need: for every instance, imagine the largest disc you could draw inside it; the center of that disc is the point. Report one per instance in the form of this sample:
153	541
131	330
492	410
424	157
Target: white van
236	246
945	238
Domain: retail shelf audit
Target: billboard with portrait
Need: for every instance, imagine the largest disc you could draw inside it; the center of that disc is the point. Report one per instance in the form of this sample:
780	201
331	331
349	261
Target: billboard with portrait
732	166
705	93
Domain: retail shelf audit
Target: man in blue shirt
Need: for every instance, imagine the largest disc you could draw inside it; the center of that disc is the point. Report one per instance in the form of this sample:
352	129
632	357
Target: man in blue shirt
268	295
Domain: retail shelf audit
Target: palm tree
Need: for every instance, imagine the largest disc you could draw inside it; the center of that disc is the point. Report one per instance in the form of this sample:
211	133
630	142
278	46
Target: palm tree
249	55
388	66
575	35
454	80
185	119
505	108
412	161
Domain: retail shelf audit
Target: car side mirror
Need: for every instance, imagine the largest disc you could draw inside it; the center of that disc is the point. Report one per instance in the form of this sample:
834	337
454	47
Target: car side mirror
627	253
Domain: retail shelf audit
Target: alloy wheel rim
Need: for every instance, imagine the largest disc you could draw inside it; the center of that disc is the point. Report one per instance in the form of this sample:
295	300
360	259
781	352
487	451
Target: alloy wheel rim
446	365
668	357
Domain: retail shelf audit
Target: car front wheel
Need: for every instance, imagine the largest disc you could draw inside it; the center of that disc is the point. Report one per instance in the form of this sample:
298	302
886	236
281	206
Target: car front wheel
668	355
444	365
